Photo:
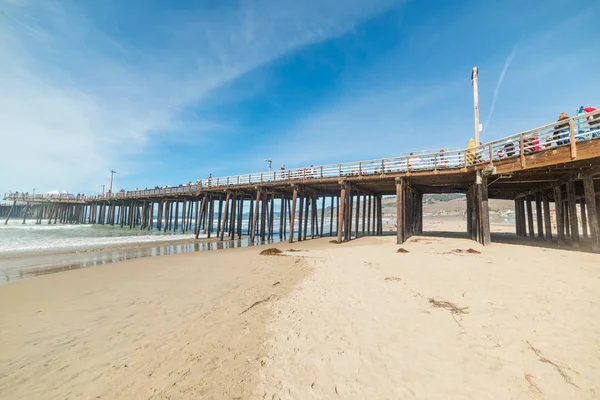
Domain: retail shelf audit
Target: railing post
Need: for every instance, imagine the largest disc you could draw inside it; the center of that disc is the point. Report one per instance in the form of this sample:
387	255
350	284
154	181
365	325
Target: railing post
303	173
522	149
261	177
360	169
491	155
340	170
382	166
465	159
321	172
218	181
572	138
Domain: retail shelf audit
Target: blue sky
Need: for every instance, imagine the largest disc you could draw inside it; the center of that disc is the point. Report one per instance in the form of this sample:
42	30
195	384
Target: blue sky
165	92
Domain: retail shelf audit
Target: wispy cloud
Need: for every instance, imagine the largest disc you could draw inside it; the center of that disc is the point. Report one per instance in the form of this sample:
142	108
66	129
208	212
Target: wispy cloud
79	98
507	63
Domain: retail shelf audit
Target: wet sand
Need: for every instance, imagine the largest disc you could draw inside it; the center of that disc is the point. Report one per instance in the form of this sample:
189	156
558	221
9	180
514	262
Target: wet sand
351	320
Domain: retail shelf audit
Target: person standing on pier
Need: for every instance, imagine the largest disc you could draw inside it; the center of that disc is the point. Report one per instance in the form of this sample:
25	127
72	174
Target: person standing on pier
561	134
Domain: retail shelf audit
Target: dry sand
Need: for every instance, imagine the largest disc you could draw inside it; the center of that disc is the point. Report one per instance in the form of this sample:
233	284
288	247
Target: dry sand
351	321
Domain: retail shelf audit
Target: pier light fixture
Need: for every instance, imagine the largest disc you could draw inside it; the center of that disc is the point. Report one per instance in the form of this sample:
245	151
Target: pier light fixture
112	172
268	160
474	79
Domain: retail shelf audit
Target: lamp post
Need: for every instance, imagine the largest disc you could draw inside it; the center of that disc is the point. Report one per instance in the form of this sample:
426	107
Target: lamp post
474	76
112	172
268	160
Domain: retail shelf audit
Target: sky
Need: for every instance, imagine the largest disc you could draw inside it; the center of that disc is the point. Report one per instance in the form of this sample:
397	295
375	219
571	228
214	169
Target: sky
166	92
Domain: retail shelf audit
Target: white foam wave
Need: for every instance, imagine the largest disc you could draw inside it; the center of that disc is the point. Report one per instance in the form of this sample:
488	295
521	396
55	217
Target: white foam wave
57	244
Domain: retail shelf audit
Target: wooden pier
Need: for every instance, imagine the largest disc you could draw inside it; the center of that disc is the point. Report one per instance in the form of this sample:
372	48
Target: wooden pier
535	168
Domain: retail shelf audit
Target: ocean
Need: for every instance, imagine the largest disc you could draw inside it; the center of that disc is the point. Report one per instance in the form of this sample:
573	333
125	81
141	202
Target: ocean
27	250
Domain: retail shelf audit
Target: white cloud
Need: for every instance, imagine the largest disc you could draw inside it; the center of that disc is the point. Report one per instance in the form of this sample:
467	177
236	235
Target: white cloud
77	100
507	63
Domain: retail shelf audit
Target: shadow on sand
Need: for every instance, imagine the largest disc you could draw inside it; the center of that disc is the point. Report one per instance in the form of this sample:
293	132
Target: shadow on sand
511	238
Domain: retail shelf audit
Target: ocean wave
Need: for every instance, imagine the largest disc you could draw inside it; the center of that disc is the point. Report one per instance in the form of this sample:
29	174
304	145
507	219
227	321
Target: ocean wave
75	243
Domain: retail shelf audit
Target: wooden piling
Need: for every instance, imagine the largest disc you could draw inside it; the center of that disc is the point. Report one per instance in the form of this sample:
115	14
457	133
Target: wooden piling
584	230
572	204
225	215
531	230
293	212
547	218
400	233
592	211
559	210
341	210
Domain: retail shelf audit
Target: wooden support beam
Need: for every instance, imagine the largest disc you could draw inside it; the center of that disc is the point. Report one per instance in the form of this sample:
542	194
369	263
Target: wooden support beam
211	216
281	217
240	217
547	218
331	217
341	215
539	215
322	215
300	214
584	230
364	211
199	217
306	199
473	203
251	219
25	213
530	217
565	207
370	200
400	227
559	211
572	204
183	215
225	215
484	212
176	216
293	212
592	211
271	216
219	217
232	221
357	217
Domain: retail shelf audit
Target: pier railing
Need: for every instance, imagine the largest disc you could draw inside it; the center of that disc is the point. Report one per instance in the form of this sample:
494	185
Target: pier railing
566	132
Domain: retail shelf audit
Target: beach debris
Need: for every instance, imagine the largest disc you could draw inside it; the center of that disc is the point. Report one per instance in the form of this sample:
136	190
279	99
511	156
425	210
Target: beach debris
392	279
257	303
468	251
532	385
294	250
559	368
402	250
276	284
271	252
453	308
334	241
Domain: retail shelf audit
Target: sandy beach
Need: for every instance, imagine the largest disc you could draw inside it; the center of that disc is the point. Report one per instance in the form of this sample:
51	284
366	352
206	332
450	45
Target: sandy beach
355	320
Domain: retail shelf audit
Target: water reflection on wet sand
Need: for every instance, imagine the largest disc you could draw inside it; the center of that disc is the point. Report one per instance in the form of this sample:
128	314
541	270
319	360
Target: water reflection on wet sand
34	265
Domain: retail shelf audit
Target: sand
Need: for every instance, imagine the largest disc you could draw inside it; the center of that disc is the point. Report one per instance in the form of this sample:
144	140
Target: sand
351	321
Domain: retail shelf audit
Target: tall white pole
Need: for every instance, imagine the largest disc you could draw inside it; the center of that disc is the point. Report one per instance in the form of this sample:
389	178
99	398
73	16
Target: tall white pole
474	75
